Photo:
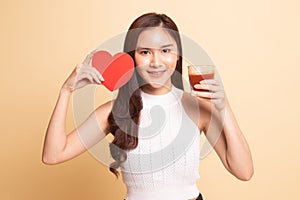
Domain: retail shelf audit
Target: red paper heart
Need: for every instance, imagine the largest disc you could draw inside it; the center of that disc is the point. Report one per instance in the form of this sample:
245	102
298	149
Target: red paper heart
116	70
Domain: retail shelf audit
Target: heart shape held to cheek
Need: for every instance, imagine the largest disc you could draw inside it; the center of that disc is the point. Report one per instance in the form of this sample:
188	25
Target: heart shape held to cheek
116	70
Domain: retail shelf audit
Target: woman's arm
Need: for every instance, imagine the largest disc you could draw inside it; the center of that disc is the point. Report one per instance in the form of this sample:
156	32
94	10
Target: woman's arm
224	134
222	131
58	146
55	138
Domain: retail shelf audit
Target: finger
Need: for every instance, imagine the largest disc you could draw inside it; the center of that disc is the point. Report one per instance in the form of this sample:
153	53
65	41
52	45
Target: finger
83	76
210	81
207	87
93	78
89	77
89	57
100	77
90	69
202	94
209	95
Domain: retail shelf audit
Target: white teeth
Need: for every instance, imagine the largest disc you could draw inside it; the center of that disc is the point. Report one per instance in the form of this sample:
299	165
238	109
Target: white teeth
155	72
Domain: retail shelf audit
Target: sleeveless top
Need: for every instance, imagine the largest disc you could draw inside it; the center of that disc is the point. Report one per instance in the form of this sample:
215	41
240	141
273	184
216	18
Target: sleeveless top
165	164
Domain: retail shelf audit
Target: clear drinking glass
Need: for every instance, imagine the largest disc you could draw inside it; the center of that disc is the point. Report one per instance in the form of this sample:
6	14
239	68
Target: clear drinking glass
198	73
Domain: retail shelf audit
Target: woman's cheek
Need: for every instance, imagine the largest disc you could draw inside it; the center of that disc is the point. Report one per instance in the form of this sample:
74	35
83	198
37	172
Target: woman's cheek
171	61
141	61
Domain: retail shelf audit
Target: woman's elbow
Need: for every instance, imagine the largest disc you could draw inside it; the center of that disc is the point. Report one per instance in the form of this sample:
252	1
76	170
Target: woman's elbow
246	175
47	160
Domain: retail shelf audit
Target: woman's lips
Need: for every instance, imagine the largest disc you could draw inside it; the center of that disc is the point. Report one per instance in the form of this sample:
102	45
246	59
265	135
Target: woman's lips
156	73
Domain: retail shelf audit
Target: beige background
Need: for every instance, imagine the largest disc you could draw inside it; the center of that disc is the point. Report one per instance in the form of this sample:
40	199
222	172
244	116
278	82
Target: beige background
255	45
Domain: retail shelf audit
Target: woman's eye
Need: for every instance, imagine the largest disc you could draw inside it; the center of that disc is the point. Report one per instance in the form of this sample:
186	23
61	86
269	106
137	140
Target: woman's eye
166	50
145	52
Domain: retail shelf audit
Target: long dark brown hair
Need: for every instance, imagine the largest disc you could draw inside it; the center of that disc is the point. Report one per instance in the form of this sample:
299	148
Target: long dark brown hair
124	117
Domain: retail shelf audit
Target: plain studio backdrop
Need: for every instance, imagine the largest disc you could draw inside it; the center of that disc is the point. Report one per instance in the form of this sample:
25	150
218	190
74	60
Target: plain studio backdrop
254	44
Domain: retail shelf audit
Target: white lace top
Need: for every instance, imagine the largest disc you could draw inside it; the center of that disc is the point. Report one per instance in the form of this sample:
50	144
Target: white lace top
165	164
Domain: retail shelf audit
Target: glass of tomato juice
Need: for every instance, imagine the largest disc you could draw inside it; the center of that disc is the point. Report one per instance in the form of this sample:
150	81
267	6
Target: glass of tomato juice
198	73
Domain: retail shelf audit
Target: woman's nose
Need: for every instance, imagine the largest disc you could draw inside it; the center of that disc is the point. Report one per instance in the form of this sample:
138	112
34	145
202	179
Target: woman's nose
156	60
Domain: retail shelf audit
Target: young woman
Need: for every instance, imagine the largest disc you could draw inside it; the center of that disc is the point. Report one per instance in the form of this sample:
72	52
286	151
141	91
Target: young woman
155	124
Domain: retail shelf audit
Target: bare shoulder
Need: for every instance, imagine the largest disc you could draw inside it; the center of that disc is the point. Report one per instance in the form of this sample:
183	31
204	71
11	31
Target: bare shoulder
199	110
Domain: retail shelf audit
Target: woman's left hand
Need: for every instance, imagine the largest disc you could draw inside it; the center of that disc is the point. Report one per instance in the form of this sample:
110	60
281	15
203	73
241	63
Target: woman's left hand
215	92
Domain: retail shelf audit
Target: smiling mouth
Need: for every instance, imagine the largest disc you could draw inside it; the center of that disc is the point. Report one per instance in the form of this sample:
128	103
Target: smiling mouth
156	73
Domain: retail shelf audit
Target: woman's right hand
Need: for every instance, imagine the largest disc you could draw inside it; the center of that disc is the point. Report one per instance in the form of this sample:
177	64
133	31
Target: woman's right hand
82	75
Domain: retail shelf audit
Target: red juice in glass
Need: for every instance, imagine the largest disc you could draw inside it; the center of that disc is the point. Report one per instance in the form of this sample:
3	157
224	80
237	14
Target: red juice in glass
198	73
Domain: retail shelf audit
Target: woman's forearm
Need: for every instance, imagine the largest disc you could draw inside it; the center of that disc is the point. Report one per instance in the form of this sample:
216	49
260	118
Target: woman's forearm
238	153
55	138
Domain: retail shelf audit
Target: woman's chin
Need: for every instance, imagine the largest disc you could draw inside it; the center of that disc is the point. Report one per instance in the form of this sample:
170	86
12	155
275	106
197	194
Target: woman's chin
155	84
156	87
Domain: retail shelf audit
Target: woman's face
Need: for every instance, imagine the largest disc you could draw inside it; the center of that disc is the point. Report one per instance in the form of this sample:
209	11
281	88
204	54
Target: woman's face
156	57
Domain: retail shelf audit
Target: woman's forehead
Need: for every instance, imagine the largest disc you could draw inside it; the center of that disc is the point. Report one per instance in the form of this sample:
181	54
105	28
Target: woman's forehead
155	37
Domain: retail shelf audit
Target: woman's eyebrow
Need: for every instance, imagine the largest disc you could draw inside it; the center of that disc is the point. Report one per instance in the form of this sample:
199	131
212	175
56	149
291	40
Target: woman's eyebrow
147	48
167	45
